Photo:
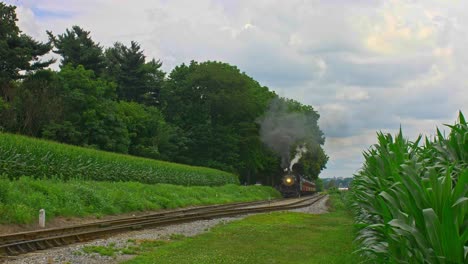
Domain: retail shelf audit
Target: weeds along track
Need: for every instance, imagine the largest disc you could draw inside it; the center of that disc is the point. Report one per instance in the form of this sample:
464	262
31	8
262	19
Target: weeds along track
20	243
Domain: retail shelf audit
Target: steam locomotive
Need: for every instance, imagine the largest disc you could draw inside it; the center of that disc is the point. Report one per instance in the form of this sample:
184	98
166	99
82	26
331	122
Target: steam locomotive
294	185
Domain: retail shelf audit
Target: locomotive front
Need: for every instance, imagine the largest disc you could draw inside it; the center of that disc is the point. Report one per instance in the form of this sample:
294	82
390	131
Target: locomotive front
290	185
293	185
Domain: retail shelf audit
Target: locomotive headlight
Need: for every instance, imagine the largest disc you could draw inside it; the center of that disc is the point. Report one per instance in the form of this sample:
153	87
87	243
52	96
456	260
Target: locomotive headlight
288	180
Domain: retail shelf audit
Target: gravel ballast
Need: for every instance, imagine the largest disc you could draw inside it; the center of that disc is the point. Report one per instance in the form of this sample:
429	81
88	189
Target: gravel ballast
74	253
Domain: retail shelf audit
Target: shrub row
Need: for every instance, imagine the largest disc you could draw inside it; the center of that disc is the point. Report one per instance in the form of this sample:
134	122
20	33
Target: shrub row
410	199
40	159
21	200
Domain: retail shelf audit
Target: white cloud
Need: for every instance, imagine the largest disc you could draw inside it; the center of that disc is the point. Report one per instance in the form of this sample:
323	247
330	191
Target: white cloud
28	22
351	93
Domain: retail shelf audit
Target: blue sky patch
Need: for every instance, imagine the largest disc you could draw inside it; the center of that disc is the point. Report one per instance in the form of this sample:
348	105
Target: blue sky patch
42	13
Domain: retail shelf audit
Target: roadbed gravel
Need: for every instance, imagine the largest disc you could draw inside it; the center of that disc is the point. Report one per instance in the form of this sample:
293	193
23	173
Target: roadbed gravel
74	253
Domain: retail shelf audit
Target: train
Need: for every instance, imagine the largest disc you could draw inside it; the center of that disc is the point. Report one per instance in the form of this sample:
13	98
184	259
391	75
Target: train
294	185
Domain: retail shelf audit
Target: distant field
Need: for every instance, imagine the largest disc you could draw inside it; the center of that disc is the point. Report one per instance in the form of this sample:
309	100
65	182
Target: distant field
40	159
20	200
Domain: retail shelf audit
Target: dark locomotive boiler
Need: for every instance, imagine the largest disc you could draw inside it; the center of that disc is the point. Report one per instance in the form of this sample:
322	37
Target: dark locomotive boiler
294	185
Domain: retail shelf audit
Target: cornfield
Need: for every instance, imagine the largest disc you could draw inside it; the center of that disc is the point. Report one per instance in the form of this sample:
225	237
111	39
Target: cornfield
40	159
410	199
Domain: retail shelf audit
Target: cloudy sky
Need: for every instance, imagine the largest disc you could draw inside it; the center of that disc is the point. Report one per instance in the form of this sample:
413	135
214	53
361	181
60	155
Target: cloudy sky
365	65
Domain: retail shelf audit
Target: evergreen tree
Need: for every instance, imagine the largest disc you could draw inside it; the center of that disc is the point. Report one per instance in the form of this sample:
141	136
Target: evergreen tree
137	80
38	101
18	52
77	48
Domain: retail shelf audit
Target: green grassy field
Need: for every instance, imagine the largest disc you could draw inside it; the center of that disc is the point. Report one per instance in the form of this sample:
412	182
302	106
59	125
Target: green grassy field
20	200
41	159
280	237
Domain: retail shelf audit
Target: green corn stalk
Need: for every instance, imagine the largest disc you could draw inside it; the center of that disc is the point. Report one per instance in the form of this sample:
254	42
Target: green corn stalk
410	201
40	159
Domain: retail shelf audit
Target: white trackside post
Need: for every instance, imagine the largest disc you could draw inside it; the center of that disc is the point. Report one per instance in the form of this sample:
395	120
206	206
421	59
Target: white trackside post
42	218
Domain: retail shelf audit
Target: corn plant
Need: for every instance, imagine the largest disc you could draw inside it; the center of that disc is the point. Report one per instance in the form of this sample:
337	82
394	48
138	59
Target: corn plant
40	159
410	201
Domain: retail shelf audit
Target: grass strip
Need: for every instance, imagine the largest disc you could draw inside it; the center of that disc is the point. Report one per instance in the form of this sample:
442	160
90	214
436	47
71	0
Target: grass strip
20	200
280	237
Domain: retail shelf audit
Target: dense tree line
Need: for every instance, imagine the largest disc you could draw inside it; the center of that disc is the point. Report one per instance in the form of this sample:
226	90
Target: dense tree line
118	100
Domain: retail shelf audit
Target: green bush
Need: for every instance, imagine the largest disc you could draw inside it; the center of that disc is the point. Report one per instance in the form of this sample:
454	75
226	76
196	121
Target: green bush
22	199
411	200
40	159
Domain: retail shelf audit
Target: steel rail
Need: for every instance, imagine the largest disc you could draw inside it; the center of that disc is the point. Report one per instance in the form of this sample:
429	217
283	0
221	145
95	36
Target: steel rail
71	235
30	235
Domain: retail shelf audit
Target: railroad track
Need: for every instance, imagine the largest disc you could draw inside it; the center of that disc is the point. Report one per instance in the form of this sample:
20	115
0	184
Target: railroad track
24	242
28	235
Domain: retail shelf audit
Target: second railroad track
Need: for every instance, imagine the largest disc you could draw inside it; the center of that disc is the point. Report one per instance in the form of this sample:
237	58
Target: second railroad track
24	242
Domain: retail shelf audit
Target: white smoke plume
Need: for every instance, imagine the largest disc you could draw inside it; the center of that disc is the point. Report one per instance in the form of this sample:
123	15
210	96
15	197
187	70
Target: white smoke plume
299	151
280	129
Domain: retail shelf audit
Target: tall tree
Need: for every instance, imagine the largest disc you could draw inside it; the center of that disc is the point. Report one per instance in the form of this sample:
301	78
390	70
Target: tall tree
291	130
137	80
38	101
150	135
90	117
314	160
77	48
19	52
216	106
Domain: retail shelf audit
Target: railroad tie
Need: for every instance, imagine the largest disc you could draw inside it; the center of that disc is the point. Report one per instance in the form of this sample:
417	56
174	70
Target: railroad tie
30	247
41	245
63	241
22	250
11	252
56	242
49	244
79	239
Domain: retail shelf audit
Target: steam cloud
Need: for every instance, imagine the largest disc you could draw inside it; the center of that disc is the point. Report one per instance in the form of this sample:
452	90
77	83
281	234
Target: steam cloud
281	129
299	151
